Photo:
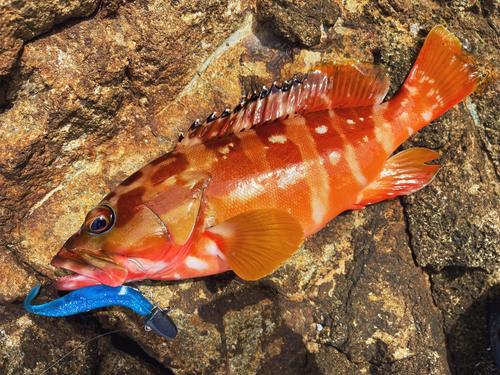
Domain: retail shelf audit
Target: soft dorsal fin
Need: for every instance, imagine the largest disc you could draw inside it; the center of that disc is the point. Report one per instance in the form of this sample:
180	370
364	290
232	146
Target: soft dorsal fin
327	86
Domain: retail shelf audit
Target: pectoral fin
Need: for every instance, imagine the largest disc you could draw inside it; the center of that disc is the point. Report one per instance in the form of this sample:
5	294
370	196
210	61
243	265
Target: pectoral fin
256	243
404	173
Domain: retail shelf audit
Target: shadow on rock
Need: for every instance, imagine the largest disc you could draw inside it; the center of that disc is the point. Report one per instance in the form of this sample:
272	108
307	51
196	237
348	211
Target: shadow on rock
255	336
467	302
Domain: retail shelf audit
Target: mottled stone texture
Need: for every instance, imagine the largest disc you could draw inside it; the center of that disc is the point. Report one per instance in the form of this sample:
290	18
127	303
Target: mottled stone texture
403	287
22	20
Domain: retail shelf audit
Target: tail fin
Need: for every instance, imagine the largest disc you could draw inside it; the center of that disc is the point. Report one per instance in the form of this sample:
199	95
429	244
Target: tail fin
441	77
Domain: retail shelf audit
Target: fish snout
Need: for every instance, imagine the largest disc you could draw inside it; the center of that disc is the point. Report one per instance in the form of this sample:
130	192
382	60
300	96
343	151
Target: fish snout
89	269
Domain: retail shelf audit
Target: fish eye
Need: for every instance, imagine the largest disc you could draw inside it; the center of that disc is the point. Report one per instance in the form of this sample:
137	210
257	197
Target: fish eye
100	220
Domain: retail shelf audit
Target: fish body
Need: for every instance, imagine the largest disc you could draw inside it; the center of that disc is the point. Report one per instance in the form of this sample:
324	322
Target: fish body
242	191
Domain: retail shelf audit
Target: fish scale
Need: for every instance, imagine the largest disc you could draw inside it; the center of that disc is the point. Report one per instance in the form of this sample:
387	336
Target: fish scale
242	190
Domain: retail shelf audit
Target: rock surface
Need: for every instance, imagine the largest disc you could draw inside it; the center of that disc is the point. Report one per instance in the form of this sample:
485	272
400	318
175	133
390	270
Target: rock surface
22	20
404	286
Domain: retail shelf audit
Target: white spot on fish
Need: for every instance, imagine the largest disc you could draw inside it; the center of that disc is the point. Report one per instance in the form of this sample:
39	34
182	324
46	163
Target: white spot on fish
177	276
224	150
195	263
431	92
365	138
384	134
279	138
334	157
410	132
350	122
427	116
290	176
321	129
213	249
361	119
431	81
412	90
318	210
354	165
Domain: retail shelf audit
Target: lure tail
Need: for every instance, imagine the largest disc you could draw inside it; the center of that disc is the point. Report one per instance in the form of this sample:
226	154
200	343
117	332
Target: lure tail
442	76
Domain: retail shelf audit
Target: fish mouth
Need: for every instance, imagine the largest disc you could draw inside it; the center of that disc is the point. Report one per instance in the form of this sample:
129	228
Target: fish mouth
90	268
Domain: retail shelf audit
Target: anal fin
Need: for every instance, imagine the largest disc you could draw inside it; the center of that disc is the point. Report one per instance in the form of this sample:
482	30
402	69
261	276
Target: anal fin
257	242
403	174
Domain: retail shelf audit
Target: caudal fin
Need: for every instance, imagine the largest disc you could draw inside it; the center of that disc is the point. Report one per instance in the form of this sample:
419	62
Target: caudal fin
442	76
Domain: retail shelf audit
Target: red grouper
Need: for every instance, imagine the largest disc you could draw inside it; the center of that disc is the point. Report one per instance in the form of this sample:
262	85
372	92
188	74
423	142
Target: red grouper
240	192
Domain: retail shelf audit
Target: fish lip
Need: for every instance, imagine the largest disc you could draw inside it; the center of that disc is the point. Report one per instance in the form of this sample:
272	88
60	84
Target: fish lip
68	282
88	269
74	281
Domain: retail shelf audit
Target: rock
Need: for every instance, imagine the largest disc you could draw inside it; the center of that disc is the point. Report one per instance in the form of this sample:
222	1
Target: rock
31	343
34	344
16	280
352	288
22	20
93	100
467	298
298	21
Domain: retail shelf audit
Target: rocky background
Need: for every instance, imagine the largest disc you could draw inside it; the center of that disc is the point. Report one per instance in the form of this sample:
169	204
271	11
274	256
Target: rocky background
91	90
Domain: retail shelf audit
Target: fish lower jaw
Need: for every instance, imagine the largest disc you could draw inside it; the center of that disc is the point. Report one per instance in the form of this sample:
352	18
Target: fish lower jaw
74	281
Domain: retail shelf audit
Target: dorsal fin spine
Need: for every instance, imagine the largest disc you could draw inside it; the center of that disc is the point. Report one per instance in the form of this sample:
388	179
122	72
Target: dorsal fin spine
327	86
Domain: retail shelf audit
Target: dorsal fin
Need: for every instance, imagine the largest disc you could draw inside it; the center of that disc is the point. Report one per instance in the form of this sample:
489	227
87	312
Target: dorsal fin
327	86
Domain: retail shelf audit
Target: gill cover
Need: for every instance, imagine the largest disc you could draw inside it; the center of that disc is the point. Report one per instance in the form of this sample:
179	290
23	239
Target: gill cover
126	238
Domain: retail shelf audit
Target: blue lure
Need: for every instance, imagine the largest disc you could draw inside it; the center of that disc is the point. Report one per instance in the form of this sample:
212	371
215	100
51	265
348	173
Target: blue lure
96	296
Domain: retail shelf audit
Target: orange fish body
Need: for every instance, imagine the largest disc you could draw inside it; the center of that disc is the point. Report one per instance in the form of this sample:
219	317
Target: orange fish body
242	191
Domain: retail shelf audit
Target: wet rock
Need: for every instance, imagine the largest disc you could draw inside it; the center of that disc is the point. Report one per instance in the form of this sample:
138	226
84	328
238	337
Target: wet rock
457	224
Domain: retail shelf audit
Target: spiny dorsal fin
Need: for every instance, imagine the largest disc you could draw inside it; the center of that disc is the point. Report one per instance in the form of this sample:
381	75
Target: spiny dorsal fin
327	86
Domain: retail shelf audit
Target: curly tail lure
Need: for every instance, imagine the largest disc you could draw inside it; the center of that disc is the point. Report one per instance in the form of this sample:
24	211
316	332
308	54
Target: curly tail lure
94	297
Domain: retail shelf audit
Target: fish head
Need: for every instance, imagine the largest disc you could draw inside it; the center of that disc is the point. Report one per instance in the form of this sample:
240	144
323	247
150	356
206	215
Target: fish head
139	231
112	247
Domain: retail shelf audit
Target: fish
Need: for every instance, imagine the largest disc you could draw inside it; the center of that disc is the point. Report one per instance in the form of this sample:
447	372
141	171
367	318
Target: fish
242	190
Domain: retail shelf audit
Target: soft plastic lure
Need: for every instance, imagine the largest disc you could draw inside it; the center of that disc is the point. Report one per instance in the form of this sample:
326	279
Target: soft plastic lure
93	297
